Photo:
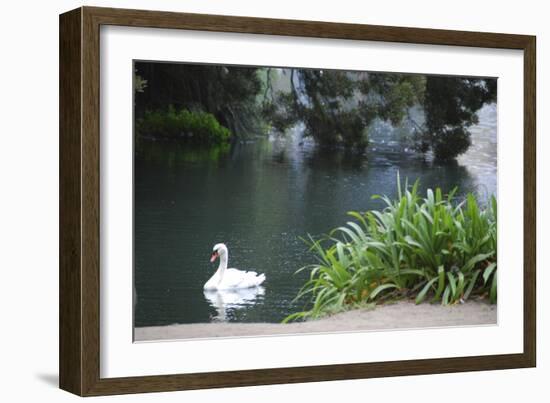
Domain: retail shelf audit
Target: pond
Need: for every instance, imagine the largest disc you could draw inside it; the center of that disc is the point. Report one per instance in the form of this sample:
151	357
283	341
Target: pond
260	198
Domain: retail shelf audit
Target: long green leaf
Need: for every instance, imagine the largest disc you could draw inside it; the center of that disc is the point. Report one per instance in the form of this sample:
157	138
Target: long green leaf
422	294
488	271
381	288
493	292
471	284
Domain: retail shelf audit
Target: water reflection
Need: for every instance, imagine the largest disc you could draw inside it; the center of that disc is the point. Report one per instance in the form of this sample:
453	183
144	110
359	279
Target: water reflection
226	302
172	153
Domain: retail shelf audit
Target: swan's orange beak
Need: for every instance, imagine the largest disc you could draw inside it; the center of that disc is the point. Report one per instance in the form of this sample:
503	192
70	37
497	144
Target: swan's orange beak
214	256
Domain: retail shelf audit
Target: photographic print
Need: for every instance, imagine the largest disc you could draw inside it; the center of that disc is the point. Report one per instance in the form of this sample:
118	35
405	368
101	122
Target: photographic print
284	200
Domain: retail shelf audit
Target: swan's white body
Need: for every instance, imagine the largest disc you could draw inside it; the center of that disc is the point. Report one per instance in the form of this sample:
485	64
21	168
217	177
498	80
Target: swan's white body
227	279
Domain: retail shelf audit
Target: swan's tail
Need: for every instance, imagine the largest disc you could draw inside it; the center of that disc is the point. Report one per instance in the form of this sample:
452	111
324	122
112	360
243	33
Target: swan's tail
261	278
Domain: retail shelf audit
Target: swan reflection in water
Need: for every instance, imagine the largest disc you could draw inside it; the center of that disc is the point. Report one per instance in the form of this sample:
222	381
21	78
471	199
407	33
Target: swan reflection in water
227	301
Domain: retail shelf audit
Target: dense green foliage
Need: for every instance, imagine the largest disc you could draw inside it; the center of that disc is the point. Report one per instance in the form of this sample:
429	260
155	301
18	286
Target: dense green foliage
450	107
335	107
192	127
415	247
229	93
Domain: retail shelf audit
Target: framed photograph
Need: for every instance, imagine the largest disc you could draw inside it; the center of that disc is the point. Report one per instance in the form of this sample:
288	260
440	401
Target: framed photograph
249	201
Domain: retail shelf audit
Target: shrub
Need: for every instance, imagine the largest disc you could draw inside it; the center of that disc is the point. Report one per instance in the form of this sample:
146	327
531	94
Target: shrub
193	126
415	247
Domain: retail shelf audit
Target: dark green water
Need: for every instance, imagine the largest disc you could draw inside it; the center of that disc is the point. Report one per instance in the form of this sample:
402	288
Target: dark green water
259	199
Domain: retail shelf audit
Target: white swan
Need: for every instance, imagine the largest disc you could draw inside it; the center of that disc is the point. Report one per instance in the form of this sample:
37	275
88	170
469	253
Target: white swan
225	279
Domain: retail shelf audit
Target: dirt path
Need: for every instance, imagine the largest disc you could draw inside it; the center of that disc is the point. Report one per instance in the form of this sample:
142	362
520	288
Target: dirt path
393	316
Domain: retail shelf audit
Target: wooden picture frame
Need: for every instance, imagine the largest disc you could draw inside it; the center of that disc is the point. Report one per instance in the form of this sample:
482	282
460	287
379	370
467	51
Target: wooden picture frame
79	347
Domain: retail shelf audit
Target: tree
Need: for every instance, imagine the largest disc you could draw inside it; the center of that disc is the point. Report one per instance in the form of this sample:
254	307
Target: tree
227	92
450	108
337	107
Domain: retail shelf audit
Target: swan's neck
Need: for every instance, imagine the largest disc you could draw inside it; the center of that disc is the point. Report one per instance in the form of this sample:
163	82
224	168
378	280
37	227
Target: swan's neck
223	264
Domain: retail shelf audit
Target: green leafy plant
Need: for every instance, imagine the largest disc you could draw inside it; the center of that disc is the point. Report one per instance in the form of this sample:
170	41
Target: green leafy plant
432	247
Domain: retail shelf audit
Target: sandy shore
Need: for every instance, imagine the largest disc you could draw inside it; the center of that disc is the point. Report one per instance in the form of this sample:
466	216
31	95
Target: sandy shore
399	315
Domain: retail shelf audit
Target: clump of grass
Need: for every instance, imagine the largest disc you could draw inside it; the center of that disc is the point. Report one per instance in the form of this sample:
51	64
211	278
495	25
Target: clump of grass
427	248
193	126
